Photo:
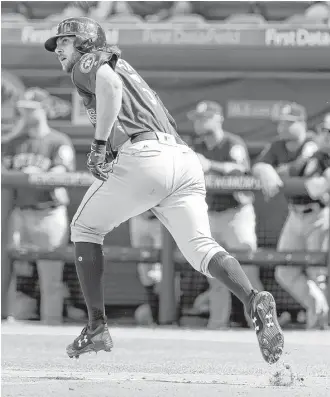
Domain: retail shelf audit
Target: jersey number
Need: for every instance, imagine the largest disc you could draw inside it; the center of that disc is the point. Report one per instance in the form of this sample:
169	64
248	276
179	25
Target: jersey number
137	78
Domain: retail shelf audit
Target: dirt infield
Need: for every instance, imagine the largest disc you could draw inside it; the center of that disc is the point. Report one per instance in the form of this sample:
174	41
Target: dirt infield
162	362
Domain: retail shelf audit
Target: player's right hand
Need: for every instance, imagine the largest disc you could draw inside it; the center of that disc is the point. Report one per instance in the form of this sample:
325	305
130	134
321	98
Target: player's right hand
97	163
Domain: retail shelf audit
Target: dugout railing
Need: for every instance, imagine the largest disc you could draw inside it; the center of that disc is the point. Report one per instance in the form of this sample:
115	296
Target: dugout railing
168	255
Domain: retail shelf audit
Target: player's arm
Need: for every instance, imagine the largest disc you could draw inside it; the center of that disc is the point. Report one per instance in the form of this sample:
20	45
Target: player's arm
108	92
265	161
264	170
240	161
93	77
295	167
318	187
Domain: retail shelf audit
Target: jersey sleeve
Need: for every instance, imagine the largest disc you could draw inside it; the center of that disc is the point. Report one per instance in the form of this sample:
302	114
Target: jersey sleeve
169	116
84	72
64	154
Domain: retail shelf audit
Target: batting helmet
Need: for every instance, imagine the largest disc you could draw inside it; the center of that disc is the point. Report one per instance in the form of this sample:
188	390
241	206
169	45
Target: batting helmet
89	34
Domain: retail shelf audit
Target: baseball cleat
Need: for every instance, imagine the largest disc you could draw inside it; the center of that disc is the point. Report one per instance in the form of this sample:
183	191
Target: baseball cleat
91	341
269	333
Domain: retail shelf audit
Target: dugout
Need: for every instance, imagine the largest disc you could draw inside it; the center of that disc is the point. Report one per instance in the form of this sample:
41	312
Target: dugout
249	71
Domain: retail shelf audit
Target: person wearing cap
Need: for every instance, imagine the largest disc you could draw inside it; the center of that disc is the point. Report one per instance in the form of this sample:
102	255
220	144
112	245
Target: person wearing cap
39	220
232	216
290	155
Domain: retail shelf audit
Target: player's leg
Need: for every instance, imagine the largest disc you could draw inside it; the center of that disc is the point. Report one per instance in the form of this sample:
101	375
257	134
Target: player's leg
219	295
184	213
52	291
45	230
292	278
241	236
53	224
145	233
316	230
137	182
185	216
21	301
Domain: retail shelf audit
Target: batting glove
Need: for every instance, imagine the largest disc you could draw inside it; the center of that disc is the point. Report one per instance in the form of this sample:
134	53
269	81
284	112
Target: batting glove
97	160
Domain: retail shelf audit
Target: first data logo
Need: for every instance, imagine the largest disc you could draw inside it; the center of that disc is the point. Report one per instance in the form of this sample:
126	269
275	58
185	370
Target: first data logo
300	37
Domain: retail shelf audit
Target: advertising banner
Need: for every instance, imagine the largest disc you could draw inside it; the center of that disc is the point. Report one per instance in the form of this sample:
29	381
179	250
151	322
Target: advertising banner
200	35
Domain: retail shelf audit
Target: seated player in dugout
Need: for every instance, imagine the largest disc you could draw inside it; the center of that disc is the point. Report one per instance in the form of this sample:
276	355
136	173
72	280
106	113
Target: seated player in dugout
232	217
295	153
39	219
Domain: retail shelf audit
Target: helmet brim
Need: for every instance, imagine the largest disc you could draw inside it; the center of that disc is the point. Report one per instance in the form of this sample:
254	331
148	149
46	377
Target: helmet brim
51	43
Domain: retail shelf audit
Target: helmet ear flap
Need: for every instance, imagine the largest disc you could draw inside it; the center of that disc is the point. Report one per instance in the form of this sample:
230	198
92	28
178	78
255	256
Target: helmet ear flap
83	44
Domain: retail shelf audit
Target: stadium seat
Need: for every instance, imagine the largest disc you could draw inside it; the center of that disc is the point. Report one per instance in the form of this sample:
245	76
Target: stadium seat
187	19
72	11
125	19
219	10
246	19
282	10
13	17
300	20
54	18
319	12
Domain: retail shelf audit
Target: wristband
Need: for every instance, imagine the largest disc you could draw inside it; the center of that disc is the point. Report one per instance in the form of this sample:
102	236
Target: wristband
99	142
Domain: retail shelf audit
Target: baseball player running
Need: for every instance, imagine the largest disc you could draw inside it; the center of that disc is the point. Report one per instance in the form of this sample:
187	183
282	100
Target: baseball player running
152	169
296	154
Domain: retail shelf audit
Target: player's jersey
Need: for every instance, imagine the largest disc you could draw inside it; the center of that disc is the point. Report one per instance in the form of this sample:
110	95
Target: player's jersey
231	149
141	111
277	154
52	150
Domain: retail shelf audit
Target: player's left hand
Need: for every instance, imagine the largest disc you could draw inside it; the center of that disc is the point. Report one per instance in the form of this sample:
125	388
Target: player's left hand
97	162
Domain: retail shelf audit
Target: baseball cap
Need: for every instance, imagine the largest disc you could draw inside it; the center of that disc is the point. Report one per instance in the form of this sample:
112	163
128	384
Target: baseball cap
33	98
292	112
205	109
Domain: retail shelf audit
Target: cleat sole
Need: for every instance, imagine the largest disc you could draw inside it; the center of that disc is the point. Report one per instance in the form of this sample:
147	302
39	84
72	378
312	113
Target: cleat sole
270	336
95	347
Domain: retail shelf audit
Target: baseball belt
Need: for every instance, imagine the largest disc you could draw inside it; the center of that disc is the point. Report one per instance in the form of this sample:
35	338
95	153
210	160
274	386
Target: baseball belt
152	136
